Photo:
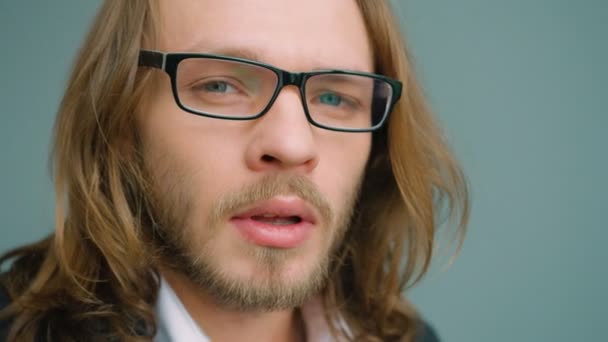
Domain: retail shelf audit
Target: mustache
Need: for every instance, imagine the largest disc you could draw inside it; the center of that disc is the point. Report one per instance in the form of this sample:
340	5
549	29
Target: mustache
265	189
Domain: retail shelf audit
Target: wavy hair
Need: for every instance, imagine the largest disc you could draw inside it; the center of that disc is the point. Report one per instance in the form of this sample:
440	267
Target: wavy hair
94	277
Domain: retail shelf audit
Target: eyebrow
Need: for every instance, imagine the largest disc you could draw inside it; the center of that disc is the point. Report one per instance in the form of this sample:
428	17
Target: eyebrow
250	54
231	52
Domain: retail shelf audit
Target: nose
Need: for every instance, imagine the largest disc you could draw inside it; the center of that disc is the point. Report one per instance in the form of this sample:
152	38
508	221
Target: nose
283	139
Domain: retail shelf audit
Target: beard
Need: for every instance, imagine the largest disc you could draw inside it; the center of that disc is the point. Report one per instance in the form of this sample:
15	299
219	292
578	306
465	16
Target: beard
190	248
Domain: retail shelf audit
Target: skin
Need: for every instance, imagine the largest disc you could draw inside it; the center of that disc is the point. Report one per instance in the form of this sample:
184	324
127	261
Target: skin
194	162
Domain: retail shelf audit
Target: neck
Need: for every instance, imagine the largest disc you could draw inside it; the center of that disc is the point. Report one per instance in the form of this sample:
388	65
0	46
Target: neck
224	324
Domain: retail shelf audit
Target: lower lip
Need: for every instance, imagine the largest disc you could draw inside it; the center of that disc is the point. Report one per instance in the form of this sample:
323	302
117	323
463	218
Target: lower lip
268	235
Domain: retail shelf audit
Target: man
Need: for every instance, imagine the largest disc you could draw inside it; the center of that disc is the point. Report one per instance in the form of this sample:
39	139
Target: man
237	171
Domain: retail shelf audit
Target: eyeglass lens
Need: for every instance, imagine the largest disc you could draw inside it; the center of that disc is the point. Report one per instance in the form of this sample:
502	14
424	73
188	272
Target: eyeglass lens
234	89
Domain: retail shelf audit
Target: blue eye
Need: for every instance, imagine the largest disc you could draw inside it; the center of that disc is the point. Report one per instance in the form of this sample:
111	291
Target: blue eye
217	87
330	99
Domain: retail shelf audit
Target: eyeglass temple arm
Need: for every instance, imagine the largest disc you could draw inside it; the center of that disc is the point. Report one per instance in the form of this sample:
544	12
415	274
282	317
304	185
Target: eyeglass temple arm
152	59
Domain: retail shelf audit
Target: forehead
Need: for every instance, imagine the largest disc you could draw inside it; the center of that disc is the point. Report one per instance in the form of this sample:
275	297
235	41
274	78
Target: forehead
291	34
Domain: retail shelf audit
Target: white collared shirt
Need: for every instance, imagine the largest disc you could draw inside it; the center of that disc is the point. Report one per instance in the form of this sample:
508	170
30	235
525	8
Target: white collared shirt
174	323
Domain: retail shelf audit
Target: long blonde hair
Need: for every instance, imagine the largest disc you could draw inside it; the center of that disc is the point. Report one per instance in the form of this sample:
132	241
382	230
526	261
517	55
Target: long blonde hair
94	277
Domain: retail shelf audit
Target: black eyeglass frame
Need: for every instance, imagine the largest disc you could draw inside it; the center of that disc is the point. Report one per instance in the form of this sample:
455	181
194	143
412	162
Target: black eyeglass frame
168	62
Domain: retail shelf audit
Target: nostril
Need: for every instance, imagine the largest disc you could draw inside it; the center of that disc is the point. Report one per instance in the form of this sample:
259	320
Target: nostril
268	158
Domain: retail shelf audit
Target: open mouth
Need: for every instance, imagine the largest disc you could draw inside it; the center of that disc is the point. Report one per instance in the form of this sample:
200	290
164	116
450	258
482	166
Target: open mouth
281	222
277	220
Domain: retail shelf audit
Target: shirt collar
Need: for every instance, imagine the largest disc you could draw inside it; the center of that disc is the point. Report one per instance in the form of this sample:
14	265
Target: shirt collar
175	324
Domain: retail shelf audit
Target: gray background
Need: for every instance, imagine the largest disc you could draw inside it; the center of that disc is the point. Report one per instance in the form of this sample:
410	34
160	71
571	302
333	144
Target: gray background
520	86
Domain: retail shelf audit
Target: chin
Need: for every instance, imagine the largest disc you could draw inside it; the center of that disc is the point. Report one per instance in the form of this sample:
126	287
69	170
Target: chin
260	277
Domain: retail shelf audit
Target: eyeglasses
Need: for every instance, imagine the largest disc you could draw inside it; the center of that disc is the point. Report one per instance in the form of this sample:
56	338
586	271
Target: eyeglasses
233	88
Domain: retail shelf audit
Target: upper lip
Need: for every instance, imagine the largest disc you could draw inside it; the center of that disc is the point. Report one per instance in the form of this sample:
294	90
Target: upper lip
283	206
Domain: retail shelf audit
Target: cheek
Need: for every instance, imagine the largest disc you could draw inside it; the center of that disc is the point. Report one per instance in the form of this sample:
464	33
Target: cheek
341	167
198	173
189	160
188	182
200	146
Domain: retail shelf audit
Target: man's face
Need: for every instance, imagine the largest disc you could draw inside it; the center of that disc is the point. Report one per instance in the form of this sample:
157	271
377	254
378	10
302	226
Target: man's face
252	210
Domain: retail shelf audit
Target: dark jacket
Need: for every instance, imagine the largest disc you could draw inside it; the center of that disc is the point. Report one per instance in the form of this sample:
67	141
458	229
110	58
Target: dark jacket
427	334
4	324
